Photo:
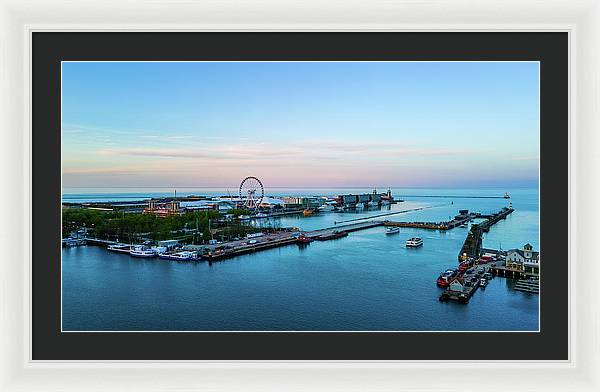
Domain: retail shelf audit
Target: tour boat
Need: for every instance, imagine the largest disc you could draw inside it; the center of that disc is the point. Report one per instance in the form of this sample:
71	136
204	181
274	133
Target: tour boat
414	242
179	256
392	230
141	251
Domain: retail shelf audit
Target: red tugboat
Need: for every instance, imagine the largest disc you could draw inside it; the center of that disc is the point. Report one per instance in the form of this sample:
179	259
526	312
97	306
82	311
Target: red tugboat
445	278
462	267
304	240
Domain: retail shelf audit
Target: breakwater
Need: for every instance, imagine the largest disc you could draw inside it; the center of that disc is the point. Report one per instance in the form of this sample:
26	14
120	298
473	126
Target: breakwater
472	246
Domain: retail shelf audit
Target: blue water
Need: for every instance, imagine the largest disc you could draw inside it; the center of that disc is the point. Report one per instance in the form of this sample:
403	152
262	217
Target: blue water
367	281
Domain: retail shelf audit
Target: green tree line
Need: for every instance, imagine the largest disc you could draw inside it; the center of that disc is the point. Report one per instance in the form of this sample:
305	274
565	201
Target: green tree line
131	227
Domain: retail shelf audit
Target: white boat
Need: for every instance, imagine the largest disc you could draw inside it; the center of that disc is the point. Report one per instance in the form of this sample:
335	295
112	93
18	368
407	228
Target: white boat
360	206
159	249
326	207
141	251
179	256
414	242
392	230
121	248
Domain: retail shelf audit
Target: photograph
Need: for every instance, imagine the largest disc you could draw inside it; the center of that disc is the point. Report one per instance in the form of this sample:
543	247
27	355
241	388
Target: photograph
300	196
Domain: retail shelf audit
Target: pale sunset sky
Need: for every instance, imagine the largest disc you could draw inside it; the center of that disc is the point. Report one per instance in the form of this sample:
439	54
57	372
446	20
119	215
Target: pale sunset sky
300	124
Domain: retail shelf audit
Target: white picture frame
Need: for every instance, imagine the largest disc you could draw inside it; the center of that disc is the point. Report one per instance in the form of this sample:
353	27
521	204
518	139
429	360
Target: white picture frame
18	19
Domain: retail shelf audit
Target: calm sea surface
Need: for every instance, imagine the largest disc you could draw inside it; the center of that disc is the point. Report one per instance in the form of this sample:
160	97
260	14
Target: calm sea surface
366	281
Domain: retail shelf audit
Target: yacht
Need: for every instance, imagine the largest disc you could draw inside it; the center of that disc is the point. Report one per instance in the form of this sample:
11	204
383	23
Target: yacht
392	230
414	242
327	207
141	251
179	256
121	248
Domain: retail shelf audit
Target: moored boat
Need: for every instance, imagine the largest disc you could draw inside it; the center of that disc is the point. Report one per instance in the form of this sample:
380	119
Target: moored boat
141	251
302	239
446	277
179	256
308	212
414	242
120	248
331	236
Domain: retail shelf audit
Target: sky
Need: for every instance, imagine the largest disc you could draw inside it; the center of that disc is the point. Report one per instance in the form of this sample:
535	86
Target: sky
300	124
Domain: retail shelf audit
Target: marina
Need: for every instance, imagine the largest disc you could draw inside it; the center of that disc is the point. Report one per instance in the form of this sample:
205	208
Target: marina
284	242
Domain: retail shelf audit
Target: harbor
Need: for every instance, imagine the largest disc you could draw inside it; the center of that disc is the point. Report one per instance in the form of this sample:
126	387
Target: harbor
280	262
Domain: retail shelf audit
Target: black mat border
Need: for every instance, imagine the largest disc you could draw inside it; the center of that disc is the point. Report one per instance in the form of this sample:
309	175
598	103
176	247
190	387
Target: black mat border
49	48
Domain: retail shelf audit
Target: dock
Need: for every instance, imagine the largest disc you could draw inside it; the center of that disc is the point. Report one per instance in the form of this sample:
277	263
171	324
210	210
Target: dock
348	228
472	245
448	225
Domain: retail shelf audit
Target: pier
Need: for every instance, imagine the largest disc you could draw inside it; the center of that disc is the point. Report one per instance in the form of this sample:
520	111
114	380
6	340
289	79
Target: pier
457	221
472	245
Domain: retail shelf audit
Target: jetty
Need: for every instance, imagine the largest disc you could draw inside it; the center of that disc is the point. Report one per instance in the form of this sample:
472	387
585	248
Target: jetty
472	246
457	221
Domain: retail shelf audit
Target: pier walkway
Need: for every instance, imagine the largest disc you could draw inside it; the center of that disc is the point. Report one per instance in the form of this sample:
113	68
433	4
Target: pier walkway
472	246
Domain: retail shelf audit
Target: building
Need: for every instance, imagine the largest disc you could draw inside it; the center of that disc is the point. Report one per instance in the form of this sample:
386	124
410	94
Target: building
525	259
271	202
163	210
457	285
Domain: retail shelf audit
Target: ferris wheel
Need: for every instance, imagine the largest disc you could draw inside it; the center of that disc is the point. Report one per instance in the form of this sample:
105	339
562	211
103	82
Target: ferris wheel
251	192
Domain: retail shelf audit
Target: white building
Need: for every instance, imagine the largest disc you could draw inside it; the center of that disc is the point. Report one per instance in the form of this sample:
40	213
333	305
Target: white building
527	257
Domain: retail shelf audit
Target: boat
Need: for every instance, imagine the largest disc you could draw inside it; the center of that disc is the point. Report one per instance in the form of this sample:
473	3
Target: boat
414	242
179	256
462	267
359	206
506	195
331	236
326	207
483	282
120	248
372	204
141	251
446	277
308	212
302	239
392	230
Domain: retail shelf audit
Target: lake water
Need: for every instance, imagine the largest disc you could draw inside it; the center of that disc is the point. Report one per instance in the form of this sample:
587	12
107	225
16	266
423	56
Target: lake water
367	281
